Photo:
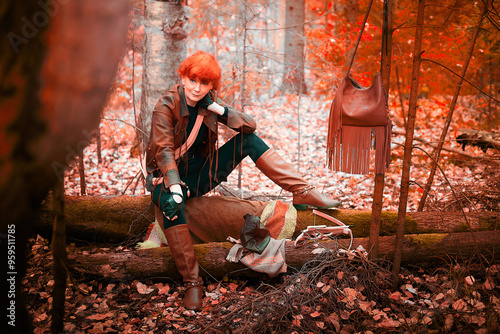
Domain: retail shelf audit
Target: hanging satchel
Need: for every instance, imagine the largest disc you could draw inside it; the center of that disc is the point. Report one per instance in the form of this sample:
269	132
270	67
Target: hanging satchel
356	114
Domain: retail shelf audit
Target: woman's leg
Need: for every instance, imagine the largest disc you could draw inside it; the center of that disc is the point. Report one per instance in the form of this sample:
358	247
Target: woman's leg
181	247
268	161
217	168
283	174
199	183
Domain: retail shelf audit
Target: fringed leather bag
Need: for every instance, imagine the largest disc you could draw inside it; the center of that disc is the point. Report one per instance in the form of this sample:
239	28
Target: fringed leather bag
356	114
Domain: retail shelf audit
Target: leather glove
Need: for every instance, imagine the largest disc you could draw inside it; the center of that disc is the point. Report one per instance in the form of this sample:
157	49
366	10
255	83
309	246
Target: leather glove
209	104
170	207
169	202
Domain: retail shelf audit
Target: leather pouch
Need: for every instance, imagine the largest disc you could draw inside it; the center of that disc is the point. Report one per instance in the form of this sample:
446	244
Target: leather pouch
357	114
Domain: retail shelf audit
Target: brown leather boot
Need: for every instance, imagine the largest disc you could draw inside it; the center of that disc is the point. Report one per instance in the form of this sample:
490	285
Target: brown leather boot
181	247
282	173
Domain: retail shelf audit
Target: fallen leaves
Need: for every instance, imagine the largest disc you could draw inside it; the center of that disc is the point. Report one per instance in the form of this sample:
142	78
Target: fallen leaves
349	295
143	289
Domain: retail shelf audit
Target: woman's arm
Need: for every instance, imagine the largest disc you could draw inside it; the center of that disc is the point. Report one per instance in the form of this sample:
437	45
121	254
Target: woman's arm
162	138
238	121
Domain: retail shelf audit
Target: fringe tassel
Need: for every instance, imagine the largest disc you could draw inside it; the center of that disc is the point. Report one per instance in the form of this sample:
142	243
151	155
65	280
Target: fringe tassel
349	149
355	154
335	119
382	147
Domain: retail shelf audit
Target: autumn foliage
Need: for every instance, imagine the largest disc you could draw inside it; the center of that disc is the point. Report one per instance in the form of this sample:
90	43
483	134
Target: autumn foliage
354	295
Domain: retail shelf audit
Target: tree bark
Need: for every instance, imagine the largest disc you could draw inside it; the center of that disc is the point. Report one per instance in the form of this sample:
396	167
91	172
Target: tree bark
122	218
164	50
59	265
450	149
293	77
408	147
482	139
158	262
57	61
385	69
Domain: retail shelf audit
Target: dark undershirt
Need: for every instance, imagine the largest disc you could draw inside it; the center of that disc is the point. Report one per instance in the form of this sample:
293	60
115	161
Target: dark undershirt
193	113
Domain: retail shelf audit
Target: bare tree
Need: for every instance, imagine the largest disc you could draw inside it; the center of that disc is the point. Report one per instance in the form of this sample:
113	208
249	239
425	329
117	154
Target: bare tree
408	146
437	152
164	49
293	77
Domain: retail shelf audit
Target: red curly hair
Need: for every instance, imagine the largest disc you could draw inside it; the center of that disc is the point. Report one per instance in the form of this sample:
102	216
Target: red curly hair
201	66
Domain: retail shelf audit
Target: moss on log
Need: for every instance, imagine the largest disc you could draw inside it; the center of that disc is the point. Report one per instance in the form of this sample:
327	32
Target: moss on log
121	218
100	219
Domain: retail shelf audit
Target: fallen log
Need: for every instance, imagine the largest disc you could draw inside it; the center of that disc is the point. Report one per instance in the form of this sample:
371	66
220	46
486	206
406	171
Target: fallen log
482	139
158	262
126	218
451	149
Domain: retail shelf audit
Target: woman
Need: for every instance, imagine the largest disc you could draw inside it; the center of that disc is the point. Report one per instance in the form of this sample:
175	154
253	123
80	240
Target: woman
184	160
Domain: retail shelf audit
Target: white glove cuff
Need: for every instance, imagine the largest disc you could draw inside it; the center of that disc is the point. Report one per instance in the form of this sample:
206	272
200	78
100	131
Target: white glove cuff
216	108
176	188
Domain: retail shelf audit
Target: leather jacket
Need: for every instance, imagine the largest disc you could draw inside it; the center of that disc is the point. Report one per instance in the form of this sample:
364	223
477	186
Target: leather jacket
168	131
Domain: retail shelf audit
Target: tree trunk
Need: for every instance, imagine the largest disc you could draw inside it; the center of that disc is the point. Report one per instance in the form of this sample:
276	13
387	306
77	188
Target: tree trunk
482	139
60	257
58	60
293	77
385	69
158	262
122	218
164	50
451	149
408	147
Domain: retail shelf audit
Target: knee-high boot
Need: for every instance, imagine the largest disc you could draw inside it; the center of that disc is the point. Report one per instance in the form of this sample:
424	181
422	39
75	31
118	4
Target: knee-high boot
282	173
181	247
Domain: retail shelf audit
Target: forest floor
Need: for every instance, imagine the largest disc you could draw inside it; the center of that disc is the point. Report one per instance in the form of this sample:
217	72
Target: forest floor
344	292
334	293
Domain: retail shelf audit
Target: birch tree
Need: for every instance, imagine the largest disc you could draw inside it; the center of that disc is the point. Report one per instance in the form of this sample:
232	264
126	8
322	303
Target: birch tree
293	77
164	49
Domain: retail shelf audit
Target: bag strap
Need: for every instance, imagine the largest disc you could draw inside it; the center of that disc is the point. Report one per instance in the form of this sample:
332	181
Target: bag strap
359	38
180	151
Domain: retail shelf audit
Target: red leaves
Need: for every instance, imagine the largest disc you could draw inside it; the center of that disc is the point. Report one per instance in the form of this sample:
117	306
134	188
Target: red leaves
461	298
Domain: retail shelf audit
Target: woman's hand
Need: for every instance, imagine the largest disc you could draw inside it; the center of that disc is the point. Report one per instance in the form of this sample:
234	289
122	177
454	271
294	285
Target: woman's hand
209	104
168	201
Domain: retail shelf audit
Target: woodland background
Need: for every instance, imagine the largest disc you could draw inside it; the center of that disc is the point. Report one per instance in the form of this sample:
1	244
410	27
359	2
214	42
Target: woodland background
248	40
283	68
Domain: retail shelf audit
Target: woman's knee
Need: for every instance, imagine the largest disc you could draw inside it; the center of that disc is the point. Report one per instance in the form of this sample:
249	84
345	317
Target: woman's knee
255	146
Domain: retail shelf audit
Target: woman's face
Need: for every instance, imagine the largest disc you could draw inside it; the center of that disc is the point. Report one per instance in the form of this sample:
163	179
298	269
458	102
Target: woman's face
195	90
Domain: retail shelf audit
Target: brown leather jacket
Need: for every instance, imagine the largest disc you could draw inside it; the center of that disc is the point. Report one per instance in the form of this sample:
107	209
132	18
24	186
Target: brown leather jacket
168	131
